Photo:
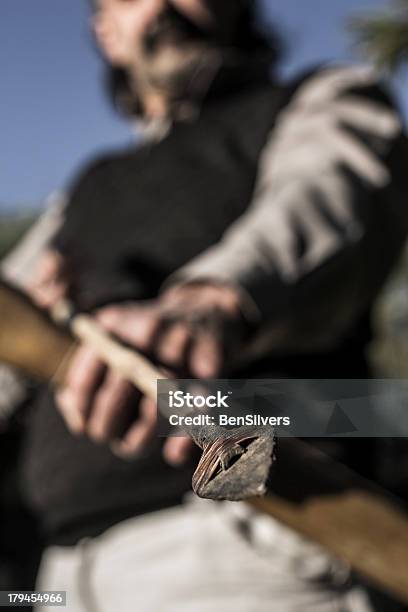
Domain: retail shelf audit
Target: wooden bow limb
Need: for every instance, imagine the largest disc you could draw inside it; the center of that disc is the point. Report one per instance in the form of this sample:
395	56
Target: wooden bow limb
309	492
353	518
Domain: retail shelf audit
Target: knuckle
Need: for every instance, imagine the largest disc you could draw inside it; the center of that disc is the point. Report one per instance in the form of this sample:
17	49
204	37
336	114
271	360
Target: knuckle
109	317
143	334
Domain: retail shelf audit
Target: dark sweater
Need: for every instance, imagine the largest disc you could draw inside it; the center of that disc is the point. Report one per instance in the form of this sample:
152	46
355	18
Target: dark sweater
133	219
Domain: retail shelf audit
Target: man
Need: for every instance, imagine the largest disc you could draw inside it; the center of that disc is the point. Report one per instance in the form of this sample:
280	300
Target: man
257	214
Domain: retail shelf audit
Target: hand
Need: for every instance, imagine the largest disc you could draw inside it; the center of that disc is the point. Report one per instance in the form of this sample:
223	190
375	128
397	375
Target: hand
189	328
49	283
96	402
193	329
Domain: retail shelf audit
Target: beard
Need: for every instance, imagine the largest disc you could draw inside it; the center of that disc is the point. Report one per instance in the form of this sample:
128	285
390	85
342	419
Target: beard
170	28
175	50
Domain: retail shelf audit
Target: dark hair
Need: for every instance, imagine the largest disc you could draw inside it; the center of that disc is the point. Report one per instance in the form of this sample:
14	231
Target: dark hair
249	44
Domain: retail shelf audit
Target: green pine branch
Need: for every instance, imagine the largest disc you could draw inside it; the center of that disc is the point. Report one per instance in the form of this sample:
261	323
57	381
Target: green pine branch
384	37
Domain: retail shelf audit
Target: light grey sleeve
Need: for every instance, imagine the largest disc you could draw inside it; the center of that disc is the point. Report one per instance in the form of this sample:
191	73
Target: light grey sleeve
329	143
19	265
17	268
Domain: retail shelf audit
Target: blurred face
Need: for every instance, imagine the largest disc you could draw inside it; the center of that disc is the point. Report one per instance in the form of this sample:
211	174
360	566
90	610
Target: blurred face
160	41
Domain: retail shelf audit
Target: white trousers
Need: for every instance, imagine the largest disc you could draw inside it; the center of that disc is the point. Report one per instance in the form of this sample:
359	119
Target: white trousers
202	557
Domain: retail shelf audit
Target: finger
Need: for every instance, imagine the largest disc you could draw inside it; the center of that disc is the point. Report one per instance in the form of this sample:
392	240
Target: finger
108	410
48	284
66	405
206	356
176	451
49	295
83	377
171	346
136	325
49	268
140	434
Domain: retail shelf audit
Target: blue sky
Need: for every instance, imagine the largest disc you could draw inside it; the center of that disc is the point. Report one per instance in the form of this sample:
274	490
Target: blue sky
53	114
